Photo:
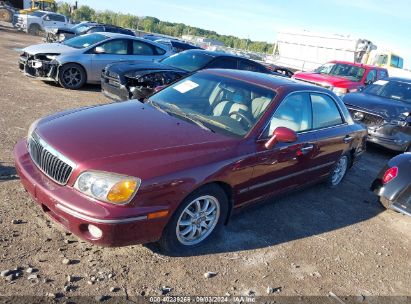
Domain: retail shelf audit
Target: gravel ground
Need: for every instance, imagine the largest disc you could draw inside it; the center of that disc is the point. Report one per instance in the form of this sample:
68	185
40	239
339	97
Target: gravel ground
312	242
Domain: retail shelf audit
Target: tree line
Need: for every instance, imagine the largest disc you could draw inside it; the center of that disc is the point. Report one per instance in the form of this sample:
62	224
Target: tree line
154	25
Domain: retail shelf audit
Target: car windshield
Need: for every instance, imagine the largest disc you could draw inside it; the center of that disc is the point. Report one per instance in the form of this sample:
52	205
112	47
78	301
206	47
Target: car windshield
189	61
80	28
216	103
82	42
351	72
37	14
397	90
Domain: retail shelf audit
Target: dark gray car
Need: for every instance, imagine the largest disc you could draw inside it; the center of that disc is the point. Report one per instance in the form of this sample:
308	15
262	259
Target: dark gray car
385	108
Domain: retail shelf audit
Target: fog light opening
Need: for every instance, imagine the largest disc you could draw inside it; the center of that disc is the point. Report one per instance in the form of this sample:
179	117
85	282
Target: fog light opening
95	231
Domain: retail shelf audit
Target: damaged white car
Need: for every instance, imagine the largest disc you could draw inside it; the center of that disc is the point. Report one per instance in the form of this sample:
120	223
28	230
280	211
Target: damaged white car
81	59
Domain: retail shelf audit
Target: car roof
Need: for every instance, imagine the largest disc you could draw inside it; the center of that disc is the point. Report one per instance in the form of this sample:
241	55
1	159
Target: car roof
368	66
269	81
112	35
407	80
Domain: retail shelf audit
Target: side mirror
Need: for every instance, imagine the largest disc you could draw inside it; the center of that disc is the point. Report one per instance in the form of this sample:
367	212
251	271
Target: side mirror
281	134
99	50
360	89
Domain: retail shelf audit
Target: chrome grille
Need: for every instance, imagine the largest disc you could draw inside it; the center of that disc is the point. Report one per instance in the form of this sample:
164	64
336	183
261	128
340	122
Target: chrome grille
370	120
49	161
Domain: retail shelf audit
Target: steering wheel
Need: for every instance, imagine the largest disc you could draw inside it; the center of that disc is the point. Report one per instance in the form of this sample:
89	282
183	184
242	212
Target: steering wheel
243	118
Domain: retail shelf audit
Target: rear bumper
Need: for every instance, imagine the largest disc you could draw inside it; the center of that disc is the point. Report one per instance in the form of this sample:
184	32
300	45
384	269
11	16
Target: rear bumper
75	212
395	199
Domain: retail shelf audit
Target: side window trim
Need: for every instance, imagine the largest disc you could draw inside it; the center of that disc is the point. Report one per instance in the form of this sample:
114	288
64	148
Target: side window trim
261	137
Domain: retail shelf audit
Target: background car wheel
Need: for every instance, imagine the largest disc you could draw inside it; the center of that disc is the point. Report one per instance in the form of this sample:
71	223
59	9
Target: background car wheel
196	221
339	171
72	76
34	29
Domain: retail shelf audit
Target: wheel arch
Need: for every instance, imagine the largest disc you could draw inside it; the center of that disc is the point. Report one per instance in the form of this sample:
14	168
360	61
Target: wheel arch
227	189
71	62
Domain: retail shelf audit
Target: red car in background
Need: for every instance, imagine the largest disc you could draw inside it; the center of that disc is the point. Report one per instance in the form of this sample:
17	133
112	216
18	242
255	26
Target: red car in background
343	77
173	169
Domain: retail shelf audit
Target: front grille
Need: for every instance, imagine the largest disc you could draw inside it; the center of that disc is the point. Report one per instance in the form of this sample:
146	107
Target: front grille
368	119
49	160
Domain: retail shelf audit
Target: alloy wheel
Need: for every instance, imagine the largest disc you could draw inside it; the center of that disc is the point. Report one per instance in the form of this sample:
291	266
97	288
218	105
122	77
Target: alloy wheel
72	77
198	220
339	170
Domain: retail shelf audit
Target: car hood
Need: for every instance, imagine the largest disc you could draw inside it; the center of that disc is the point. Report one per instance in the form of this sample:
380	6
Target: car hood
127	130
326	80
134	69
59	30
49	48
386	107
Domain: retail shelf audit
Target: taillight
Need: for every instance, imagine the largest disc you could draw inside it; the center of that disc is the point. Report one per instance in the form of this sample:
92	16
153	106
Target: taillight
389	175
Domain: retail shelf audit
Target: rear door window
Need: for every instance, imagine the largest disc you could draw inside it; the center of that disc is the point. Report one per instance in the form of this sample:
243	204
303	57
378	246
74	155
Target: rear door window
250	66
382	74
223	63
325	111
141	48
371	77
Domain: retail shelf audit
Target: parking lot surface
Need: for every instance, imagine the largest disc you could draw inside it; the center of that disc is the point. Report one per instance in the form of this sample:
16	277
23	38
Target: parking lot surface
317	241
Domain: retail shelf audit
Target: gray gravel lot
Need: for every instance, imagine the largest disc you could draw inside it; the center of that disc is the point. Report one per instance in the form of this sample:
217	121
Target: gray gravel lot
310	242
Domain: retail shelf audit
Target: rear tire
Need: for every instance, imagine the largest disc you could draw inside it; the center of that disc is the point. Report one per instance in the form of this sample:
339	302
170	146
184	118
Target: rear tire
197	220
34	29
339	171
72	76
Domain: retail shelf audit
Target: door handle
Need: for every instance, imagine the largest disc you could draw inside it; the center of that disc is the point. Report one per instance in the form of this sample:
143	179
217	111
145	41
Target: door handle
306	149
347	139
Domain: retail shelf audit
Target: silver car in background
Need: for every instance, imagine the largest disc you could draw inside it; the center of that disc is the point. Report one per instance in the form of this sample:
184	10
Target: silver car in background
81	59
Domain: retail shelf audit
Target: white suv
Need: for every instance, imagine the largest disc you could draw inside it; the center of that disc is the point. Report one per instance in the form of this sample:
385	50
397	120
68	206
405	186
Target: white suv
37	21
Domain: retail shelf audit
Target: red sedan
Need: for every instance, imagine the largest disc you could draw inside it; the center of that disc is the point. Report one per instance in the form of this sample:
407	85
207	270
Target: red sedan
173	170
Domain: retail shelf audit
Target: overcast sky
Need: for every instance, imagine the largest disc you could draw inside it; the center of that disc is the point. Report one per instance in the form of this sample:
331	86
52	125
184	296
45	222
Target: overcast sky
386	23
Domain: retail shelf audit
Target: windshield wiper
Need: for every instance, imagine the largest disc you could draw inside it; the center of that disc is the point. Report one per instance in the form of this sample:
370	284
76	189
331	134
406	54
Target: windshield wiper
174	109
157	106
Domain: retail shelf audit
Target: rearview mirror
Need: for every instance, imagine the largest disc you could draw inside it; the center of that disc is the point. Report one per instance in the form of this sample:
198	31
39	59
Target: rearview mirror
99	50
281	134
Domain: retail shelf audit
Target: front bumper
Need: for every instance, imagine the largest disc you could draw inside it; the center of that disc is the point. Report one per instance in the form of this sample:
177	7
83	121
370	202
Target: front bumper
39	69
391	137
113	89
120	225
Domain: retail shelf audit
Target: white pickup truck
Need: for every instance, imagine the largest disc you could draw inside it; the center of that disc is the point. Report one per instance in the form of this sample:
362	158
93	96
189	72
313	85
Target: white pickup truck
38	21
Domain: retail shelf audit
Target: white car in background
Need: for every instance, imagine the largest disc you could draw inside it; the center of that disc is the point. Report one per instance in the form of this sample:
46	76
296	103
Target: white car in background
38	21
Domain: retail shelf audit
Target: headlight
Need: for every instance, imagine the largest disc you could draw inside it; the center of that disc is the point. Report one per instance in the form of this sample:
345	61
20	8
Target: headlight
32	128
108	187
62	37
51	57
340	91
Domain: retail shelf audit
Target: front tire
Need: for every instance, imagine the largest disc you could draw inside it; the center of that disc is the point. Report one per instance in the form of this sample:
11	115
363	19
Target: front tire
34	29
72	76
339	171
196	221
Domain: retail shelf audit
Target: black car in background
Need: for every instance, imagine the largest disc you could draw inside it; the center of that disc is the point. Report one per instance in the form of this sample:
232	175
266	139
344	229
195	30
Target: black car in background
385	108
177	46
131	80
393	184
61	34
